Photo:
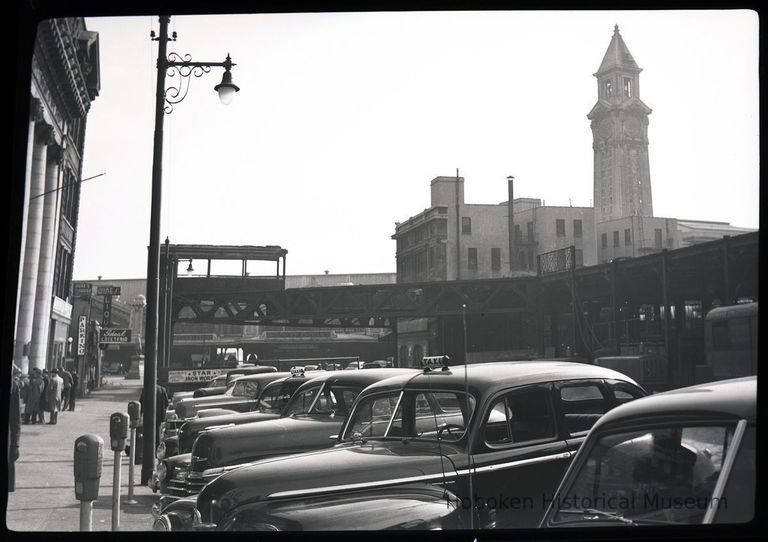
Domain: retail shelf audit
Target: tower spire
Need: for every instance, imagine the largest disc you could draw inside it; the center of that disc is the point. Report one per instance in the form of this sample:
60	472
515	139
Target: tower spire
617	56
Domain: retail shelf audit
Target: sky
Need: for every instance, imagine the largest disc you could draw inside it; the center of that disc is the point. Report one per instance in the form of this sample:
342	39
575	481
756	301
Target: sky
343	119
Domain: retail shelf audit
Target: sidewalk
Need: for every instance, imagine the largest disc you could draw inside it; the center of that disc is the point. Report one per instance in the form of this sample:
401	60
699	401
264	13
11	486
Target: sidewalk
44	499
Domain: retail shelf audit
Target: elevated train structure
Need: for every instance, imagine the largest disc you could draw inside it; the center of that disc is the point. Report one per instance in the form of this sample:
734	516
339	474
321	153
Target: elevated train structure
653	304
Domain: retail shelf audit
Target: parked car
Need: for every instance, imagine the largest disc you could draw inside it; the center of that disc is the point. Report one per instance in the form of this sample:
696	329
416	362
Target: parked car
241	396
399	508
515	430
311	420
217	386
681	457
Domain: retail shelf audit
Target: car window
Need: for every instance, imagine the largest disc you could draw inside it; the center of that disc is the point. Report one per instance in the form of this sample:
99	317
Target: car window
420	415
245	389
371	417
581	405
301	402
519	417
738	502
275	396
662	474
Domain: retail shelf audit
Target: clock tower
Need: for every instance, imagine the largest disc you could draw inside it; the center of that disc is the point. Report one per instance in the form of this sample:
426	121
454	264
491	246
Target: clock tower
622	182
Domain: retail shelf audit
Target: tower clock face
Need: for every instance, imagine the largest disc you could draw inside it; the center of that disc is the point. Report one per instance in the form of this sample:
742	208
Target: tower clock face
605	129
632	127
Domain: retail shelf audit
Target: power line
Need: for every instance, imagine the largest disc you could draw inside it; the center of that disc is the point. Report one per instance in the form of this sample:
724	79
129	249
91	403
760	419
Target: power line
66	185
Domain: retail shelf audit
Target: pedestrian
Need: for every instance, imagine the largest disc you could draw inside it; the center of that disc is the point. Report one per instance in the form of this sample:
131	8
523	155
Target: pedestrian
73	390
44	406
55	385
33	396
66	377
14	429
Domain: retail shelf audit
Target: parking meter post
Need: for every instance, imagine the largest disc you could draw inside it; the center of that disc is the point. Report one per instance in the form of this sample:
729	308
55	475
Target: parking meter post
87	471
131	500
86	516
118	433
116	493
134	409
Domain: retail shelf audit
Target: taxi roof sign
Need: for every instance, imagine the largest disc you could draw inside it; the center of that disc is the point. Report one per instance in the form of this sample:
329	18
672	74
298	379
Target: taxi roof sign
297	371
428	362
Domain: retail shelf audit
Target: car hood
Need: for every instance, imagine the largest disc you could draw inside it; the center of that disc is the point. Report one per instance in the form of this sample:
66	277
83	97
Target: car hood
253	441
178	460
189	431
188	407
341	468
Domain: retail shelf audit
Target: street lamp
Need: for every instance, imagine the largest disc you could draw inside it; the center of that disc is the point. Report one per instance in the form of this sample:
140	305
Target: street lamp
180	70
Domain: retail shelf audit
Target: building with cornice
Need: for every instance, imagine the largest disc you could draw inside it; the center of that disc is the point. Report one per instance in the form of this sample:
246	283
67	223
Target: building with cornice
64	82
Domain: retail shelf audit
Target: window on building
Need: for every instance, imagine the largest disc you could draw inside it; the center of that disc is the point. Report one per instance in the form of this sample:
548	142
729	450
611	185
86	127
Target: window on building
657	237
560	227
442	226
579	257
466	224
431	257
518	234
628	87
577	228
627	237
472	258
604	240
530	259
615	238
522	260
529	226
608	89
495	259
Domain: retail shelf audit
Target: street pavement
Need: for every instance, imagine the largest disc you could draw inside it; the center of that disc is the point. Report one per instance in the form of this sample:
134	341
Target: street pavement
44	499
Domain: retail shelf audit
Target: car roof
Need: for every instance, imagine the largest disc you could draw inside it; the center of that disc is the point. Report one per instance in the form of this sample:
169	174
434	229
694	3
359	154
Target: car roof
260	376
487	378
364	377
730	398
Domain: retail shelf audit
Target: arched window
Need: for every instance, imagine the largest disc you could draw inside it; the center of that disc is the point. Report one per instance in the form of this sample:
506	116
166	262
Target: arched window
608	88
404	356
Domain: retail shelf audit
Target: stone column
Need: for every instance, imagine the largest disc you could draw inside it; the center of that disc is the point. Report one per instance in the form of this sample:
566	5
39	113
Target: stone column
41	323
35	114
43	136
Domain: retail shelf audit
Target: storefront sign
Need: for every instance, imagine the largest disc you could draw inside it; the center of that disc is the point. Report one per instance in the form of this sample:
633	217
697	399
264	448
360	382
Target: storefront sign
108	290
107	320
115	336
82	289
82	326
193	375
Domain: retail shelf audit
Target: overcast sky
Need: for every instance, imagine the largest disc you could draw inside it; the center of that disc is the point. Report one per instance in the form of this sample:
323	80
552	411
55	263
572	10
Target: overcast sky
343	119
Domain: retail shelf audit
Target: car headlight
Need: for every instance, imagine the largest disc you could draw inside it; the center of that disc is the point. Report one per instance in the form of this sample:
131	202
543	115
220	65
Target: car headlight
162	471
162	523
160	454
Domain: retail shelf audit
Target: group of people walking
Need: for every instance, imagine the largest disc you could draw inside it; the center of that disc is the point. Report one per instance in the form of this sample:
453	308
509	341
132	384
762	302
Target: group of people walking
43	391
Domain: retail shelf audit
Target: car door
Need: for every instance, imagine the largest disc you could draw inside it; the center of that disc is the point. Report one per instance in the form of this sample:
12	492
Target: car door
520	457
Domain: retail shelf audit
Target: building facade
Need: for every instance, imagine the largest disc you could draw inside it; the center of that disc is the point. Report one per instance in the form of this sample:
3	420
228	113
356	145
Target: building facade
64	83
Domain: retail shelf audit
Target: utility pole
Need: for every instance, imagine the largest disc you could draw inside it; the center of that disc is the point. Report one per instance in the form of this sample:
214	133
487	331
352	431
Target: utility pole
511	221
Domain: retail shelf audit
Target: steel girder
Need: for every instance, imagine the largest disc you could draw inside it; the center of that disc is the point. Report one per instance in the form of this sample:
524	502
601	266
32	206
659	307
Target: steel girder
356	306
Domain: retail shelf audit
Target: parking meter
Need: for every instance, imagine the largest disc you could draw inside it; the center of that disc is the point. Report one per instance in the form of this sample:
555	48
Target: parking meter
88	459
118	430
134	411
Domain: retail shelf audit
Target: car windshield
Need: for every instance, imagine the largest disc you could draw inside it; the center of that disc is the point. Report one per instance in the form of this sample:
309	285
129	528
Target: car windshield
275	396
430	415
230	388
659	475
322	400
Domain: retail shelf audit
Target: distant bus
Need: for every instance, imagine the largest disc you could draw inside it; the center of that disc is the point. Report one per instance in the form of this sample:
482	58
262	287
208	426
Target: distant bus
730	342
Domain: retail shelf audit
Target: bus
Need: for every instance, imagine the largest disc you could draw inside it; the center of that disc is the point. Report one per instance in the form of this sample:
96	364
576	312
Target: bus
730	343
